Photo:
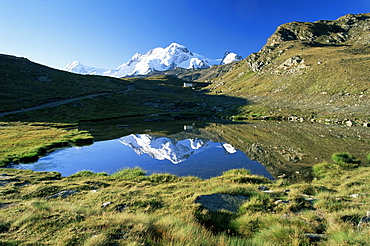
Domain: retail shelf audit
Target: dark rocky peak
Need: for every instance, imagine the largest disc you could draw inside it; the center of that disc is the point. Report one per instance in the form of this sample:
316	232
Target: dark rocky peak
303	31
347	30
351	20
344	29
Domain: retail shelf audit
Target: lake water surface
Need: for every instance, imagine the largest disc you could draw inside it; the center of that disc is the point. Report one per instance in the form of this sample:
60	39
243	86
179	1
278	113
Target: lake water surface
195	157
206	150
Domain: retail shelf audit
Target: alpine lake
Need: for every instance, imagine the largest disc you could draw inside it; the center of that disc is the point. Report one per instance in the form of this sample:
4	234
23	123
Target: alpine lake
205	148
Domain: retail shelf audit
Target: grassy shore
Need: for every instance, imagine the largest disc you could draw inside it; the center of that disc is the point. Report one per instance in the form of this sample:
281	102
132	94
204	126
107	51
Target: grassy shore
25	142
130	208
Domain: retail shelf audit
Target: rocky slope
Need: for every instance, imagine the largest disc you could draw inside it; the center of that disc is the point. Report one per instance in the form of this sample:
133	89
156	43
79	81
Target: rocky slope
313	69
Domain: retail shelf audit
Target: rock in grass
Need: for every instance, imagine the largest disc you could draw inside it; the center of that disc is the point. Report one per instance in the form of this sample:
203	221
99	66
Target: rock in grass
364	222
62	194
218	202
106	204
315	237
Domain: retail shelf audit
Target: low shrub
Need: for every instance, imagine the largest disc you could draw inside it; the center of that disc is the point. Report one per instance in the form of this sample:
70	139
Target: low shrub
322	170
243	176
163	178
241	171
43	191
329	202
280	235
129	173
87	173
345	160
4	227
257	202
247	225
98	240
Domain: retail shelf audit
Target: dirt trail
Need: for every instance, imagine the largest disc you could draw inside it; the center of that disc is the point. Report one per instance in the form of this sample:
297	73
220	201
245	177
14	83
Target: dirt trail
66	101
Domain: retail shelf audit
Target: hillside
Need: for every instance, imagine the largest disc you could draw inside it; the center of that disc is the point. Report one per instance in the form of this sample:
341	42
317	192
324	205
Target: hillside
27	84
309	69
197	75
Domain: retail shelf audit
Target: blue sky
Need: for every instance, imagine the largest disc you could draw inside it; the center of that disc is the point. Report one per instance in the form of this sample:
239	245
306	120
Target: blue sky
106	33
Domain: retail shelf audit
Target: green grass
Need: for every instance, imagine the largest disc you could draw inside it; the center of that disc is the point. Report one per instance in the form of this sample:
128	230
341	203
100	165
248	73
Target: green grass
159	209
345	160
25	142
129	173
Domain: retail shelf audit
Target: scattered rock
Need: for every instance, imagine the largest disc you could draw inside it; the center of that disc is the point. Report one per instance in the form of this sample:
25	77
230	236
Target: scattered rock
5	205
281	201
283	176
106	204
269	191
43	79
120	207
63	194
365	221
262	188
218	202
349	123
358	194
4	182
315	237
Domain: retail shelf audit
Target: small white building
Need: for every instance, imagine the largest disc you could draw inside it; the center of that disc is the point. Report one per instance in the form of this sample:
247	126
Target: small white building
188	127
189	84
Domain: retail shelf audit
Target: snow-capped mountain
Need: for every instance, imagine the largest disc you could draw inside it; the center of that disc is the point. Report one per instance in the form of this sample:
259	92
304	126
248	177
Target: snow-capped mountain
230	57
162	59
163	148
158	59
78	67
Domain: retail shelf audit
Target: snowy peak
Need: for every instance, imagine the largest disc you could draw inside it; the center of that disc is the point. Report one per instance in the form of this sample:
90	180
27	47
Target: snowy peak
162	59
157	59
163	148
78	67
175	48
230	57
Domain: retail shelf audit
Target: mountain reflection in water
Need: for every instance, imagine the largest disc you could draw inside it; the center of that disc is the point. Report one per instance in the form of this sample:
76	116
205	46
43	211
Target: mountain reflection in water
163	148
199	157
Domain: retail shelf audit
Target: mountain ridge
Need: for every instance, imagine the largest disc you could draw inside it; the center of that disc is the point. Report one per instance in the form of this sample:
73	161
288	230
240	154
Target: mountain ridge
308	68
157	59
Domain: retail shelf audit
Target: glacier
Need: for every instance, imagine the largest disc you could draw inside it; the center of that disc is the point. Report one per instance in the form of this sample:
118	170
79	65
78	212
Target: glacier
157	59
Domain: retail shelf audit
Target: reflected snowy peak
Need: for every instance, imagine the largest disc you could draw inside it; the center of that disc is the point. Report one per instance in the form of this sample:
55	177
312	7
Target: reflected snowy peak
164	148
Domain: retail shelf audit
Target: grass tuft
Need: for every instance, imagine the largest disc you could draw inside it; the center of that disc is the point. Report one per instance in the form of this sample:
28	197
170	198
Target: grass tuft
129	173
346	160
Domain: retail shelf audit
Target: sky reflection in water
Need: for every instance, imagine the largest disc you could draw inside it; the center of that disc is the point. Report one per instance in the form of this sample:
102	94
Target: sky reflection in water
188	157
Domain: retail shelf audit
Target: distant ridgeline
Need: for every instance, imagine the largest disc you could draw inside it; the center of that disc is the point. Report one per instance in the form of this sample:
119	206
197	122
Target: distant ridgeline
156	60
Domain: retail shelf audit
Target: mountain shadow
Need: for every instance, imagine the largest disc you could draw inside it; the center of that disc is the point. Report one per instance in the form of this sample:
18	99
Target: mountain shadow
35	93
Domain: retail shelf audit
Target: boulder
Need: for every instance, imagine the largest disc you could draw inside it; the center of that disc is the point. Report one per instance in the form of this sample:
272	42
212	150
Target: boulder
106	204
364	222
218	202
62	194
